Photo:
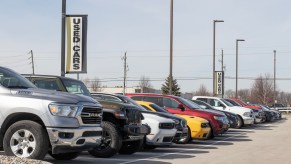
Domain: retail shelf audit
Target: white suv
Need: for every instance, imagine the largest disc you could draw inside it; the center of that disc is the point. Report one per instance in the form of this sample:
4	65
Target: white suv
246	114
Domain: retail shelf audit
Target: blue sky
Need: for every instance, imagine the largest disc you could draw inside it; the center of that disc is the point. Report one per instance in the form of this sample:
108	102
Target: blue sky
141	27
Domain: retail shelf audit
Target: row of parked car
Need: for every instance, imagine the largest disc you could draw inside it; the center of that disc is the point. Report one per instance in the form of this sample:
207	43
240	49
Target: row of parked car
58	115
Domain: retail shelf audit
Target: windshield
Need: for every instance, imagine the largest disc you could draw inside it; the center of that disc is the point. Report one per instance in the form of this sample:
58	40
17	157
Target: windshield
11	79
226	102
76	87
131	101
203	105
158	108
189	103
234	103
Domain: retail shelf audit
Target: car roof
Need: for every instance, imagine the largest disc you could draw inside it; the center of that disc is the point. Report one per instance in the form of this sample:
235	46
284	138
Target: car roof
48	76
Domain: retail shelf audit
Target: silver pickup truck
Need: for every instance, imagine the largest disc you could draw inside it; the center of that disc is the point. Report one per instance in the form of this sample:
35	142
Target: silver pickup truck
34	122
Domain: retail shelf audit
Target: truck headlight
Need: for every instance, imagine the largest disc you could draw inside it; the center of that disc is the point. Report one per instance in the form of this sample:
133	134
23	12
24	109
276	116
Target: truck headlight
247	114
64	110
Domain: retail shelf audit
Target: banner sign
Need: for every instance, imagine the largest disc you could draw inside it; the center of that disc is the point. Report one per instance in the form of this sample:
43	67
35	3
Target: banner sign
76	55
219	82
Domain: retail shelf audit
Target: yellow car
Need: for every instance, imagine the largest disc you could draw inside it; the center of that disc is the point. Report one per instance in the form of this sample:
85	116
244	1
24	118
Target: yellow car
199	128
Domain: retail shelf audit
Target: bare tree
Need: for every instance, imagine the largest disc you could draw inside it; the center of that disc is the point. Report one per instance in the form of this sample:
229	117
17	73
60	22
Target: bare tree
202	91
144	84
229	93
262	90
86	81
244	94
96	85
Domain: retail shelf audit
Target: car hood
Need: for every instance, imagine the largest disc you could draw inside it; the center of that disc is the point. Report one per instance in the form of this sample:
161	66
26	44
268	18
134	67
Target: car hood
166	115
56	96
241	108
156	117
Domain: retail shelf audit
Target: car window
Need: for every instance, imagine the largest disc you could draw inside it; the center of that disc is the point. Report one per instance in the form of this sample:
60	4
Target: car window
136	98
214	102
11	79
76	87
170	103
158	108
156	100
50	84
202	99
111	98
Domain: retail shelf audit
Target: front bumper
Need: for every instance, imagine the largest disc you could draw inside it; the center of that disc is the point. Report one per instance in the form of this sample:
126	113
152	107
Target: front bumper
136	132
200	133
181	134
74	139
248	121
161	137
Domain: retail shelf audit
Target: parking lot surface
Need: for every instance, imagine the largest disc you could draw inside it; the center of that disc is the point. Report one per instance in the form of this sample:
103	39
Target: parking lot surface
266	143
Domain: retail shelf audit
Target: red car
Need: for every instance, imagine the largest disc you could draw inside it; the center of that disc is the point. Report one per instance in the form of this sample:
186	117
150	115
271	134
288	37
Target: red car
245	104
177	105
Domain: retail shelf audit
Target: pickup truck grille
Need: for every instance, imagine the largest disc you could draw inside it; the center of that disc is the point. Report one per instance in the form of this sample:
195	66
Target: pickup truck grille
91	115
134	116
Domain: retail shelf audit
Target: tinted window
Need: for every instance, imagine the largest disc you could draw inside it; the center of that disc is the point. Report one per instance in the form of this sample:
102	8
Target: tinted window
77	87
158	108
136	98
156	100
227	103
50	84
202	99
111	98
170	103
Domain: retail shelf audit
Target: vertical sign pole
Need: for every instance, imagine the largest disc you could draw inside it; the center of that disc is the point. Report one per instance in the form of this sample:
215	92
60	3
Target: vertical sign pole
63	42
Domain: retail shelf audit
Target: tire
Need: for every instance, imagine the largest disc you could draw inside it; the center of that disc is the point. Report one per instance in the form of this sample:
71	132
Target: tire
130	147
187	139
240	123
28	139
65	156
211	134
111	141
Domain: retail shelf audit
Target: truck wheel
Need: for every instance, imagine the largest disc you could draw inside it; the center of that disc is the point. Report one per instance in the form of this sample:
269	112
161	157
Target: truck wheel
239	123
110	143
130	147
26	139
65	156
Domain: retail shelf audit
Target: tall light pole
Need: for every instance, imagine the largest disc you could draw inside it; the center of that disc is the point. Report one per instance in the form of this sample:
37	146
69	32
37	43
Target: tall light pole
274	77
214	21
238	40
63	50
171	47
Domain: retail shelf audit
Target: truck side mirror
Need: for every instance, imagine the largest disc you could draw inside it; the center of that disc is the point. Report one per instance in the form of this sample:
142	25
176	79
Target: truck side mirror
180	106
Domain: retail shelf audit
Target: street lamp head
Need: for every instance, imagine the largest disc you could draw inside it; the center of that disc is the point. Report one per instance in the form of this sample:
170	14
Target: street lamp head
240	40
218	21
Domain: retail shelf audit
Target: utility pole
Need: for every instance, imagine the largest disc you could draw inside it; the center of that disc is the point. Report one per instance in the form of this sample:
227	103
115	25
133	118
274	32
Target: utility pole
171	48
32	61
274	78
63	41
222	60
124	72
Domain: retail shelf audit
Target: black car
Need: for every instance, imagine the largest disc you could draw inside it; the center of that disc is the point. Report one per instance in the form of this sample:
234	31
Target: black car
232	117
270	115
278	114
182	134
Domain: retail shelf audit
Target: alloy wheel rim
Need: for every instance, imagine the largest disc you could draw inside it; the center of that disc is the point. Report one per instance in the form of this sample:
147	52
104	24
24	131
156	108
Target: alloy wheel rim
22	143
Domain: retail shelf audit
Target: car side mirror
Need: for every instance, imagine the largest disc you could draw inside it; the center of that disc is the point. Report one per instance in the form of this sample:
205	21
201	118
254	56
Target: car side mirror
180	106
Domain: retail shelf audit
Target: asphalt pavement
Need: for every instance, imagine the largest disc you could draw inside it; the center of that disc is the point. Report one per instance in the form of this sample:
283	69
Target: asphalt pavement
267	143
